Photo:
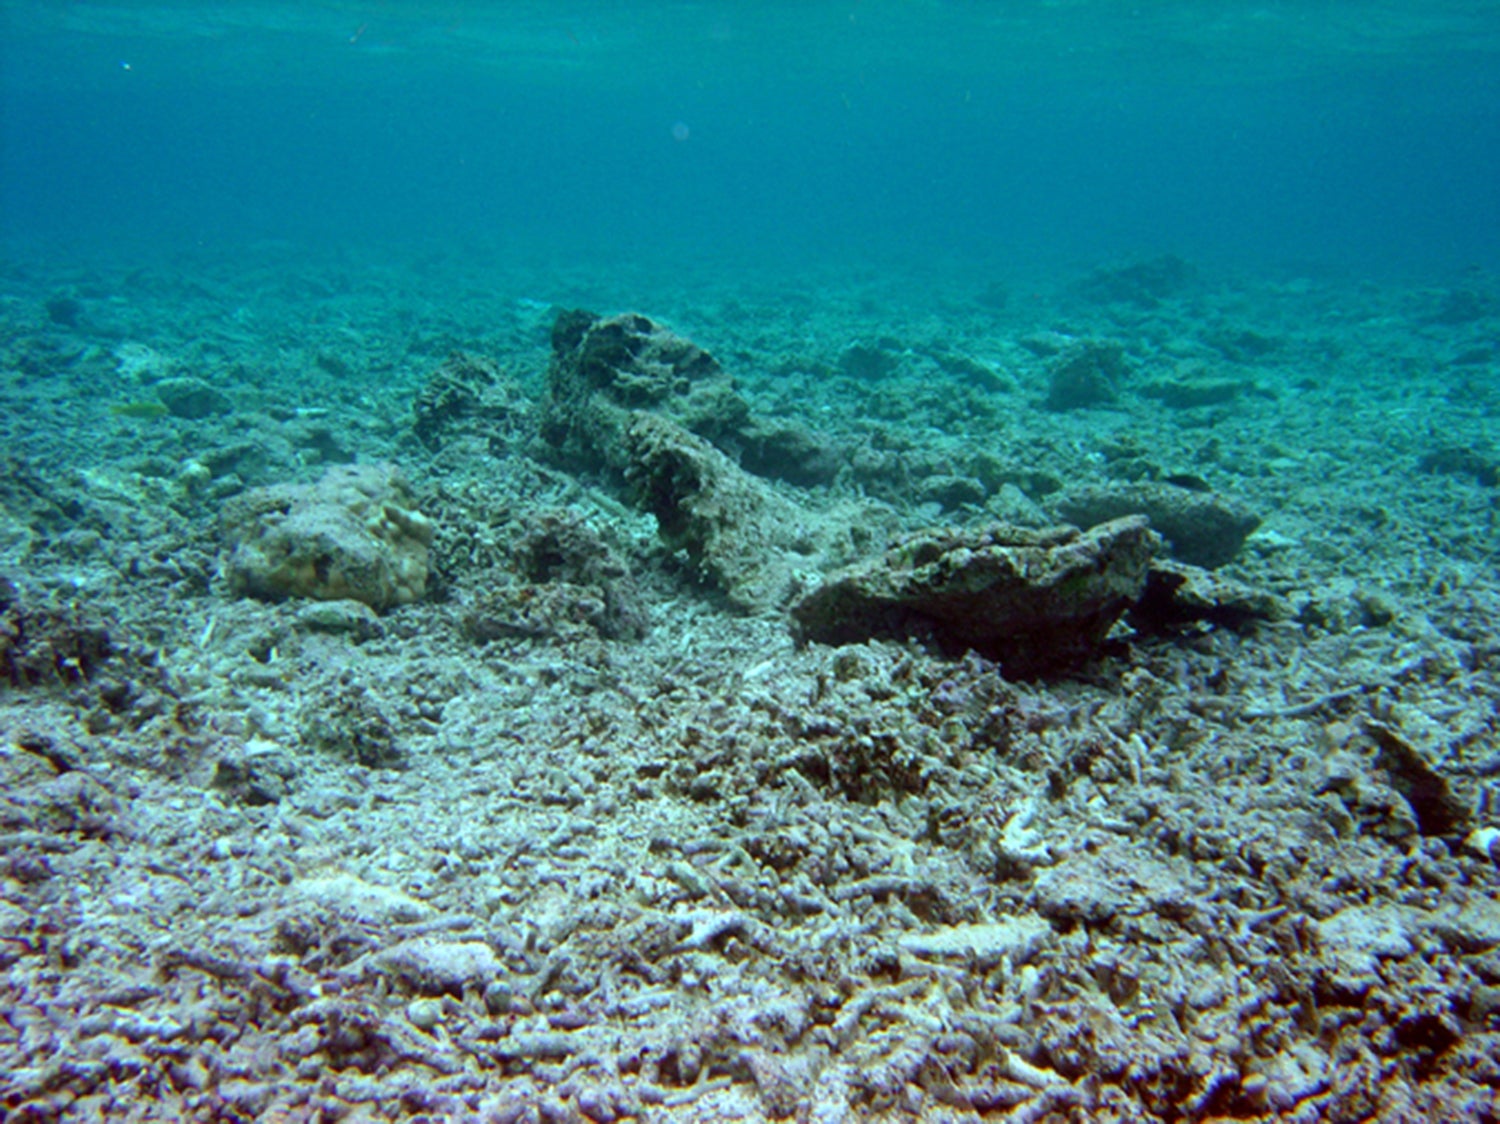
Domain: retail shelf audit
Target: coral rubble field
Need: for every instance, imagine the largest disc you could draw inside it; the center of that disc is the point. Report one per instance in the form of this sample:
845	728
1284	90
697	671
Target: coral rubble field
433	689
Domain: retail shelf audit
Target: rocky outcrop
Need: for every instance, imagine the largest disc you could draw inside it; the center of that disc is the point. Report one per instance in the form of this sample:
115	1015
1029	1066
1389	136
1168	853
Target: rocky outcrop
655	412
606	369
1038	601
743	537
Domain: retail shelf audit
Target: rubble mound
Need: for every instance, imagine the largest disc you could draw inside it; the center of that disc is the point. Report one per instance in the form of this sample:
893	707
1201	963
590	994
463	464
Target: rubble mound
469	395
571	583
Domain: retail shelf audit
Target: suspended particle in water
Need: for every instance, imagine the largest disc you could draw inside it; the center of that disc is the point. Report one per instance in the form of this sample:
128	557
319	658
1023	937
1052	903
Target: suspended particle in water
680	131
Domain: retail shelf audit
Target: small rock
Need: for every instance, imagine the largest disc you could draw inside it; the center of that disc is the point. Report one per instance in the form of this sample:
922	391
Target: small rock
1202	529
352	618
1438	809
1356	938
430	966
364	901
1484	842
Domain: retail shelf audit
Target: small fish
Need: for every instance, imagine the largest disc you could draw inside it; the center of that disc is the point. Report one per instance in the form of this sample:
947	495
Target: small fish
139	410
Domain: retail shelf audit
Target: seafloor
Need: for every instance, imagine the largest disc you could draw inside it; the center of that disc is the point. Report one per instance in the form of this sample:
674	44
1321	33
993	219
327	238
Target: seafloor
574	827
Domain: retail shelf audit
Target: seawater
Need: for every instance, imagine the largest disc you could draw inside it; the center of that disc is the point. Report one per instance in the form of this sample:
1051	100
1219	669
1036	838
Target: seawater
1357	135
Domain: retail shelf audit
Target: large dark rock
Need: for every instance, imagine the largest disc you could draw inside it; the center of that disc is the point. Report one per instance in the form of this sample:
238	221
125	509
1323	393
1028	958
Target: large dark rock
1178	596
1038	601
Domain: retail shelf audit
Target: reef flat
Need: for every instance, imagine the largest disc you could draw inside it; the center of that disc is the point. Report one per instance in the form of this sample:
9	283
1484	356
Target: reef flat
442	688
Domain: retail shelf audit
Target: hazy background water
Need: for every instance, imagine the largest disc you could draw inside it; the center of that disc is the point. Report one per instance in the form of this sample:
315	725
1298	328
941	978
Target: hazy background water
1015	135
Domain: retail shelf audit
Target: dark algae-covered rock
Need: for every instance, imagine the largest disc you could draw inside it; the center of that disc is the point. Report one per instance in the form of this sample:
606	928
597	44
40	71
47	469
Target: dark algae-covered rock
1035	600
1178	595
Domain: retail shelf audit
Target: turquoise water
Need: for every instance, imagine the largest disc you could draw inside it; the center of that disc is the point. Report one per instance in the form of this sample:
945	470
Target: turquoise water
1360	135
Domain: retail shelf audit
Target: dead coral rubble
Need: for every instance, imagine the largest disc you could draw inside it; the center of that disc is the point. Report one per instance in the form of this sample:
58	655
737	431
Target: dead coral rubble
699	873
572	583
469	394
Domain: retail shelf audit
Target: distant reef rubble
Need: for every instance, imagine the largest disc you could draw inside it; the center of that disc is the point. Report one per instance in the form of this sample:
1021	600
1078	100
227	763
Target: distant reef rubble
656	418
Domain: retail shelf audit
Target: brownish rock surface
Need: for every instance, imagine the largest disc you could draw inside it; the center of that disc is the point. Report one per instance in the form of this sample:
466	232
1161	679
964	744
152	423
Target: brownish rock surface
1035	600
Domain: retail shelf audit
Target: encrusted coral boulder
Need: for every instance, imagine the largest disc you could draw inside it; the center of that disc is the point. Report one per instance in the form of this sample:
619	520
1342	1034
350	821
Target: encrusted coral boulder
1038	601
354	535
